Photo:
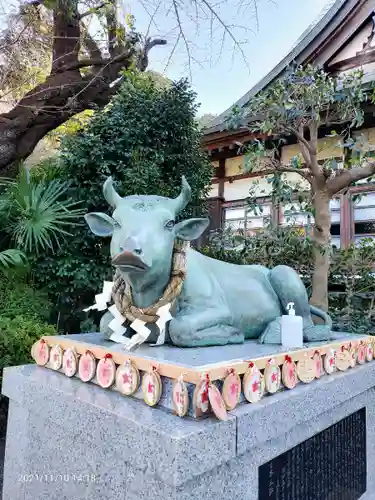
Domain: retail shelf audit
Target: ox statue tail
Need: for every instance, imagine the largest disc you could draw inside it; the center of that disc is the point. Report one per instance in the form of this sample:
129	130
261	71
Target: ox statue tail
322	315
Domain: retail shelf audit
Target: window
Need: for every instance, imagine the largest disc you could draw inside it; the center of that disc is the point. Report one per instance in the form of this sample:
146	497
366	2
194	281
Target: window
243	221
234	219
335	207
364	217
296	217
293	215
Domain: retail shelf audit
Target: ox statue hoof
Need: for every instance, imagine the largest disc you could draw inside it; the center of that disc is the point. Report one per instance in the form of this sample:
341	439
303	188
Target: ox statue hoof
317	333
272	334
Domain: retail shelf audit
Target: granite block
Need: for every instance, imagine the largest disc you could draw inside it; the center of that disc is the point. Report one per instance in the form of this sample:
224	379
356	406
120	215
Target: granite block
74	468
182	447
279	413
77	441
238	478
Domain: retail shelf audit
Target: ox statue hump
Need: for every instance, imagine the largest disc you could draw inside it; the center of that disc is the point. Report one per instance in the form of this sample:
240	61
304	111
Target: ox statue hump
214	302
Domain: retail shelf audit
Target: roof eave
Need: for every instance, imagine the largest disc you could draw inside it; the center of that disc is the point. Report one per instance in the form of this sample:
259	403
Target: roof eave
218	124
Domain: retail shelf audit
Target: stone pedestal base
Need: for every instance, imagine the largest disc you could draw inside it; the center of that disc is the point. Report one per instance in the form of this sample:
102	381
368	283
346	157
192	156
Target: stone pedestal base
76	441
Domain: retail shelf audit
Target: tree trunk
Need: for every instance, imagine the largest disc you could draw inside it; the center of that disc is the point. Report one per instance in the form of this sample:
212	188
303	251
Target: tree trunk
322	249
43	109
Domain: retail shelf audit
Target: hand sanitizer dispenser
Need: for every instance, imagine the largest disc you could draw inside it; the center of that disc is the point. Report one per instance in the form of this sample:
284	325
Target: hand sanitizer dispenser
291	328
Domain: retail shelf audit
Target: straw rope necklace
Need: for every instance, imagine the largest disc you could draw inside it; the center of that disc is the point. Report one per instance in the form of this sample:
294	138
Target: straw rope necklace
122	295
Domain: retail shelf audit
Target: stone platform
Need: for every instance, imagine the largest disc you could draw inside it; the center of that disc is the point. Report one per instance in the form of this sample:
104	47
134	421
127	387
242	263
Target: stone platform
192	362
76	441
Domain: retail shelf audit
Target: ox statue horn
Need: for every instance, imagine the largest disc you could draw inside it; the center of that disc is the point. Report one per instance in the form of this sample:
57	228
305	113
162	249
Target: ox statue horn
110	194
184	197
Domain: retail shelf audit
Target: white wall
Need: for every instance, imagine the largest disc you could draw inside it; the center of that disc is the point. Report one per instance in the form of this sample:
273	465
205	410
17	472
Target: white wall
214	191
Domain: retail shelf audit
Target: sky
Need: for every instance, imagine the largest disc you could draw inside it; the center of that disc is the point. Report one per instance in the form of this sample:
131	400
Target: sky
220	77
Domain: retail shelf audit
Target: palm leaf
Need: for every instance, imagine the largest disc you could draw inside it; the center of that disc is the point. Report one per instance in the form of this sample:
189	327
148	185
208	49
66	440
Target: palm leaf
37	213
12	258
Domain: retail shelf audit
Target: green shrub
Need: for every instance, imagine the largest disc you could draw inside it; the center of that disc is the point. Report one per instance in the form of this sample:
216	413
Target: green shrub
47	170
17	335
20	299
351	278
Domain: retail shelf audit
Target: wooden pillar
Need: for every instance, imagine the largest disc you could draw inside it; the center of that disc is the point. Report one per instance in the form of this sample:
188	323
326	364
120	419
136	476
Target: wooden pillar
215	206
346	216
220	176
216	213
345	220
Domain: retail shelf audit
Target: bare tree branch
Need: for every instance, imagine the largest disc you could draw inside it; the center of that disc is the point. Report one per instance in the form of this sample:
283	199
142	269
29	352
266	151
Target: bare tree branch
82	63
111	17
302	172
225	27
349	176
93	10
91	45
301	139
65	50
183	36
313	127
149	44
275	165
304	149
152	17
172	52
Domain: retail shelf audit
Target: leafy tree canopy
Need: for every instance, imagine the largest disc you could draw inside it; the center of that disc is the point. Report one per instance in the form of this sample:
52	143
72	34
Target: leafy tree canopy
307	104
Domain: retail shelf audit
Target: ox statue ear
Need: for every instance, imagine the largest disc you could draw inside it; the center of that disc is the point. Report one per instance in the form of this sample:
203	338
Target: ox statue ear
191	229
100	224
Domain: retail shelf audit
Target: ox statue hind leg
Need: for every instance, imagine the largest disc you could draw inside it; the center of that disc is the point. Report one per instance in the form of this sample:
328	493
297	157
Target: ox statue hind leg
201	328
290	288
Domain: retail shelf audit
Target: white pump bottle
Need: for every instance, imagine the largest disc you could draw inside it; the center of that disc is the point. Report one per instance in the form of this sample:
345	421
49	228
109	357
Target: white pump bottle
291	328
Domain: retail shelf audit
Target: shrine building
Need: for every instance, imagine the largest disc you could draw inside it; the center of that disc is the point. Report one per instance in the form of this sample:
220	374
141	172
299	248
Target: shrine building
341	40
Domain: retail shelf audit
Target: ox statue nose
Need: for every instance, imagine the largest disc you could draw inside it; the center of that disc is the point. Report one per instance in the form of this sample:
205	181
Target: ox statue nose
130	256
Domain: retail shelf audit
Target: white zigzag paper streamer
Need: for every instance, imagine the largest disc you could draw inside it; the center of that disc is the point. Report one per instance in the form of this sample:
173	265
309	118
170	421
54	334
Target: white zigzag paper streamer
139	326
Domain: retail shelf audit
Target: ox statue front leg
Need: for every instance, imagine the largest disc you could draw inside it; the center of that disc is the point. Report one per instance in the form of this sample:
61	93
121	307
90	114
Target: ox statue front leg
207	327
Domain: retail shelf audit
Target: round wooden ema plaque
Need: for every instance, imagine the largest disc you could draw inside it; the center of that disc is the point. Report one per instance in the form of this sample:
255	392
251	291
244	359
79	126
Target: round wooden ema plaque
343	359
352	355
289	373
180	397
361	353
70	363
87	367
127	378
151	388
201	400
40	352
253	385
329	361
231	391
272	376
306	369
106	372
217	402
56	357
369	351
318	365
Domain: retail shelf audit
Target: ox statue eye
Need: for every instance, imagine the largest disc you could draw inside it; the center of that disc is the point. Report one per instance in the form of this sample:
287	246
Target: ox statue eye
170	224
116	224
